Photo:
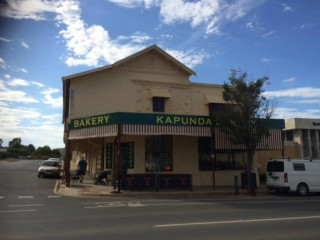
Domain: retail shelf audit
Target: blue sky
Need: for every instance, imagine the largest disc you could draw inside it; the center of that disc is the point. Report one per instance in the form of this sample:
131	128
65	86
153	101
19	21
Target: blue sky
41	41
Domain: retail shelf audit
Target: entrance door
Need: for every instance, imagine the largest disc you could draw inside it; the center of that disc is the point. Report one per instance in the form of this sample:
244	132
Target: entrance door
124	153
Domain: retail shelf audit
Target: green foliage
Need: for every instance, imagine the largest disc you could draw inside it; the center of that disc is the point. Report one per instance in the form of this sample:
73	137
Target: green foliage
16	149
247	114
55	153
1	141
31	149
15	143
45	150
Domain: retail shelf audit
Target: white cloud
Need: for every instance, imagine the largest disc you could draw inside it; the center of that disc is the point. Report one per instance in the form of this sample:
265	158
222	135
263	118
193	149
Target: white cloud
7	76
308	101
3	64
266	59
194	12
8	95
52	101
18	82
37	84
289	80
286	8
140	38
305	92
26	9
91	45
268	34
211	13
189	58
286	113
136	3
22	70
25	45
18	122
4	39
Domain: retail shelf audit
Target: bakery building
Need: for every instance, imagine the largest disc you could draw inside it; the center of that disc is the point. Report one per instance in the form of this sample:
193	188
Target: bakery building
142	117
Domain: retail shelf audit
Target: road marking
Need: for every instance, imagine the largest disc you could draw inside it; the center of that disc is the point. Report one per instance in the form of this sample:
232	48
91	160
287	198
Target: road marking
1	197
142	204
236	221
25	196
18	211
54	196
26	205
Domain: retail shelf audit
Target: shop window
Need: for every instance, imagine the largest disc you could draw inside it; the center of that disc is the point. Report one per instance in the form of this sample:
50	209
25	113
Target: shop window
158	104
225	160
205	162
126	155
159	153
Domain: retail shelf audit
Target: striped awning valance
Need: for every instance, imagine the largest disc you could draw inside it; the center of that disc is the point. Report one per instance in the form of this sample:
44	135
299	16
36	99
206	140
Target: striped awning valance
94	132
137	129
274	141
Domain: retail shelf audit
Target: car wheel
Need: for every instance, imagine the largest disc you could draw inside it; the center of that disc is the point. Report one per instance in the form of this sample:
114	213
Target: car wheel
302	189
40	175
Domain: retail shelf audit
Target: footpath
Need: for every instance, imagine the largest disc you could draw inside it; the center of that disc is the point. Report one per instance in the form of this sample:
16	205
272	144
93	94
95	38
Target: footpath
88	189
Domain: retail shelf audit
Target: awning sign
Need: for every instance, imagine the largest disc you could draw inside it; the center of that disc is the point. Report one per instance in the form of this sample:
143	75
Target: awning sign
142	118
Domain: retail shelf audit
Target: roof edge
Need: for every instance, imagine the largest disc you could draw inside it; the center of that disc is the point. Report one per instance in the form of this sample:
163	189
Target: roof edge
117	63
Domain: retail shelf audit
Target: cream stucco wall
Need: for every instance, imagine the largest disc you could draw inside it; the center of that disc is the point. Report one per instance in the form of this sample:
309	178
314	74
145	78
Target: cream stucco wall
127	88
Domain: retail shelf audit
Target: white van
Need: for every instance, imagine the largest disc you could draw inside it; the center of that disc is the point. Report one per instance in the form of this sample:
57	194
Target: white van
294	175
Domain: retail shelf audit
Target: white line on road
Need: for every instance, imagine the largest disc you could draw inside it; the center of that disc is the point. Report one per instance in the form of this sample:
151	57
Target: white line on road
25	196
1	197
26	205
140	204
236	221
18	211
54	196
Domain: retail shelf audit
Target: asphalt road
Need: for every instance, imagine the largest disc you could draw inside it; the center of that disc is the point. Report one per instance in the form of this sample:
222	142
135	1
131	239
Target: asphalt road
29	209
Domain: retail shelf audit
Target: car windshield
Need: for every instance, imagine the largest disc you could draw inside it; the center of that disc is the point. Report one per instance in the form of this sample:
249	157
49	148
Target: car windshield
54	159
50	164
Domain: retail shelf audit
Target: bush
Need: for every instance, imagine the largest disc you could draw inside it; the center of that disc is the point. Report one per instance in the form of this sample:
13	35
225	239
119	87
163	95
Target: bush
3	155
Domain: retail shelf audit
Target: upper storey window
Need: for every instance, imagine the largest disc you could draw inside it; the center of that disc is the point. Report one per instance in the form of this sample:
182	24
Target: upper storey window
158	104
159	96
216	108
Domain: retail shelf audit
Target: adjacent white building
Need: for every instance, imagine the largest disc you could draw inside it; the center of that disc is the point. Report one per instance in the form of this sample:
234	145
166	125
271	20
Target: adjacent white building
306	133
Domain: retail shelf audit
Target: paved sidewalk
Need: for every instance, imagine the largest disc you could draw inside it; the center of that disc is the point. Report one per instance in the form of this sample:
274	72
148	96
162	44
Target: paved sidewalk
89	189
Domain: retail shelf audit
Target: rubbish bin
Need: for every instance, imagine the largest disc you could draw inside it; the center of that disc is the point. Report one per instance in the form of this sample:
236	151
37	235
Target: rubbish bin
244	180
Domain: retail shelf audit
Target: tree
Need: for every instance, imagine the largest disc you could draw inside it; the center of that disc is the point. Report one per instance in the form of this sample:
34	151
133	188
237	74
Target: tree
1	141
247	115
30	149
55	153
15	143
43	151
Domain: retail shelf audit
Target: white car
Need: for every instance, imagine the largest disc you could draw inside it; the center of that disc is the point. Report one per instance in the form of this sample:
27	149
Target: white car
49	168
294	175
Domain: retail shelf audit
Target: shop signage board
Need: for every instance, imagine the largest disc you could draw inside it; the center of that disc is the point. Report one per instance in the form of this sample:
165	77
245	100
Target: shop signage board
142	118
153	119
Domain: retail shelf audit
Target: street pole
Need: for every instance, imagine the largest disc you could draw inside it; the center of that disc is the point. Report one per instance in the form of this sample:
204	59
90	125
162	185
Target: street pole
119	158
213	157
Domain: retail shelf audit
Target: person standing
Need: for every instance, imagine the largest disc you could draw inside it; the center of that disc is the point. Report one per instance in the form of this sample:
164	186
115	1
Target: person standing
82	168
